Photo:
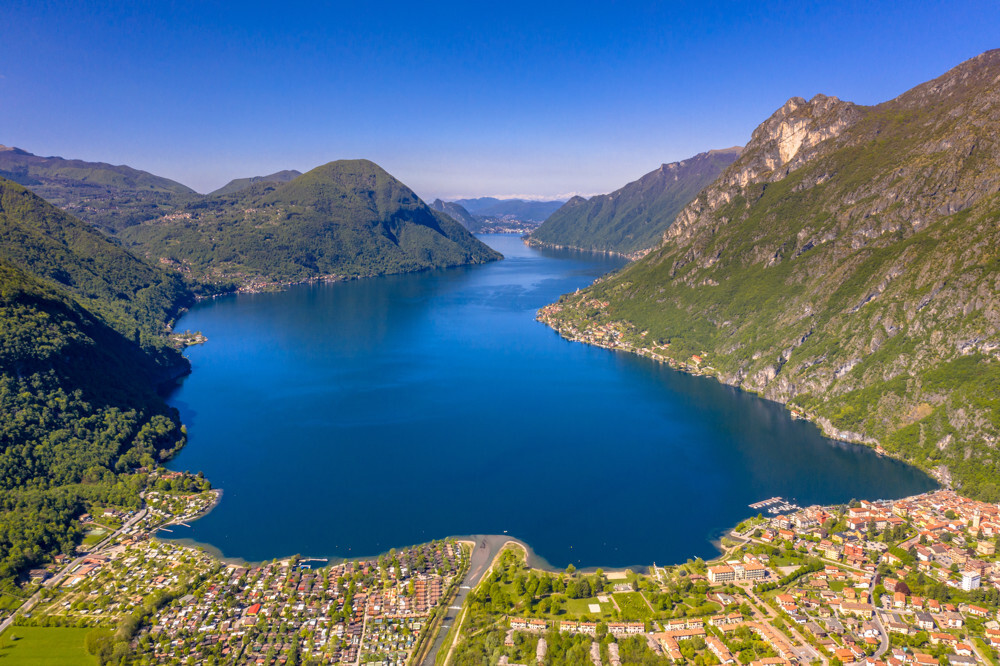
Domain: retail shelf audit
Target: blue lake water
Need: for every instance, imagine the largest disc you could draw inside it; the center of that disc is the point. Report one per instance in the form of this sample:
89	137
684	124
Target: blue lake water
346	419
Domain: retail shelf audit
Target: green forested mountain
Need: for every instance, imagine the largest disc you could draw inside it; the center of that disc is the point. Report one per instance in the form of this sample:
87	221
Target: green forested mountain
632	219
848	263
124	290
238	184
109	196
81	352
344	218
457	213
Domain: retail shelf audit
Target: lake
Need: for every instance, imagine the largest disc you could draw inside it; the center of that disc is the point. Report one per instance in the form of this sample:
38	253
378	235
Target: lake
345	419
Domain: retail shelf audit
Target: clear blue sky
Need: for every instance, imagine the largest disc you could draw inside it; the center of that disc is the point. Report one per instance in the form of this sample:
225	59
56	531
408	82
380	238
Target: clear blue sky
464	99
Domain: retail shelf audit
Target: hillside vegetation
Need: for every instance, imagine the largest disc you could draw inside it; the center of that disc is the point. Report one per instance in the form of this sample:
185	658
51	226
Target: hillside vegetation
239	184
108	196
343	219
848	264
457	213
82	349
632	220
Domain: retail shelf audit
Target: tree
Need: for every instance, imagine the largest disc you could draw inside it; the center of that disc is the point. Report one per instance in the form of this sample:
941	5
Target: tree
100	643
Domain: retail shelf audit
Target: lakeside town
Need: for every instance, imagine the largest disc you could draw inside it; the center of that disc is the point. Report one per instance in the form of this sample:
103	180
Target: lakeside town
913	581
886	583
138	599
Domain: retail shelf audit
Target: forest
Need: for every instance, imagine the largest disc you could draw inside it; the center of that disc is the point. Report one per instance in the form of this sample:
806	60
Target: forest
83	347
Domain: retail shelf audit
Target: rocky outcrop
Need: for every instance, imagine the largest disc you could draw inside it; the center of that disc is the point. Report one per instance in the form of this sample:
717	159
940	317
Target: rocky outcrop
788	139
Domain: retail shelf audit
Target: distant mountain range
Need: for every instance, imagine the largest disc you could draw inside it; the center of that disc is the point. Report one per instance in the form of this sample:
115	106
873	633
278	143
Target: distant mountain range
632	220
846	264
521	209
457	213
346	218
108	196
238	184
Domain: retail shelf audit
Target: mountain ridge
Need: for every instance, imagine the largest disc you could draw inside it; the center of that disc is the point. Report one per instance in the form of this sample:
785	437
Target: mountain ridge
631	220
457	212
844	265
237	184
106	195
521	209
343	219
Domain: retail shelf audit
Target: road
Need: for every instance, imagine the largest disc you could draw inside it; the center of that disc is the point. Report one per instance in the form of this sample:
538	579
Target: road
488	546
804	650
884	645
53	582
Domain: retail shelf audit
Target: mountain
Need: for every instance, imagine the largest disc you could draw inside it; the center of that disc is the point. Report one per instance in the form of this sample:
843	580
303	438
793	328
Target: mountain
238	184
457	213
632	220
520	209
83	349
342	219
847	264
108	196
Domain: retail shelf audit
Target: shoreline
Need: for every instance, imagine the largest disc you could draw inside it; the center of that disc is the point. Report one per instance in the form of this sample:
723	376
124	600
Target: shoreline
713	536
183	520
631	256
532	559
822	423
263	286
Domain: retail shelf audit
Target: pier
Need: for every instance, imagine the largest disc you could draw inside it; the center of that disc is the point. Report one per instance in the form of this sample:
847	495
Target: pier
775	505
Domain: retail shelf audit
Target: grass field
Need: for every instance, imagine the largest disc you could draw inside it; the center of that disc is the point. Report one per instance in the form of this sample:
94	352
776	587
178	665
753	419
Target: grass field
9	601
44	646
634	609
94	536
578	608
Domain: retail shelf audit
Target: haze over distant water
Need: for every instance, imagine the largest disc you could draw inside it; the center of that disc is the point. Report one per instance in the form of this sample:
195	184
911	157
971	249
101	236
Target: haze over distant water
347	419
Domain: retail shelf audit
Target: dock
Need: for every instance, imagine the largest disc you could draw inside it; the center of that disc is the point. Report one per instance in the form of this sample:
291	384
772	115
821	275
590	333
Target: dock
775	505
765	503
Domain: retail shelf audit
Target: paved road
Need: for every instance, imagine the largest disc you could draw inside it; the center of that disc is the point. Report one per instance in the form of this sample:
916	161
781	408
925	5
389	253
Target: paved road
884	644
805	651
488	546
53	582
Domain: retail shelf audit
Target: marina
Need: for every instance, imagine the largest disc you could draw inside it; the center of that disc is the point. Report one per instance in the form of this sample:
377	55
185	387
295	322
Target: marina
775	505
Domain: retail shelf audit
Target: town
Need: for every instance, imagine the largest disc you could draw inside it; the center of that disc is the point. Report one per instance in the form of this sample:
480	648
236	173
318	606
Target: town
911	581
150	601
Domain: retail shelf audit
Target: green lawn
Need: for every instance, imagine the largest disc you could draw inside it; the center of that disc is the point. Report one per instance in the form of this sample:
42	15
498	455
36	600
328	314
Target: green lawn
94	536
9	601
44	646
577	608
634	609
